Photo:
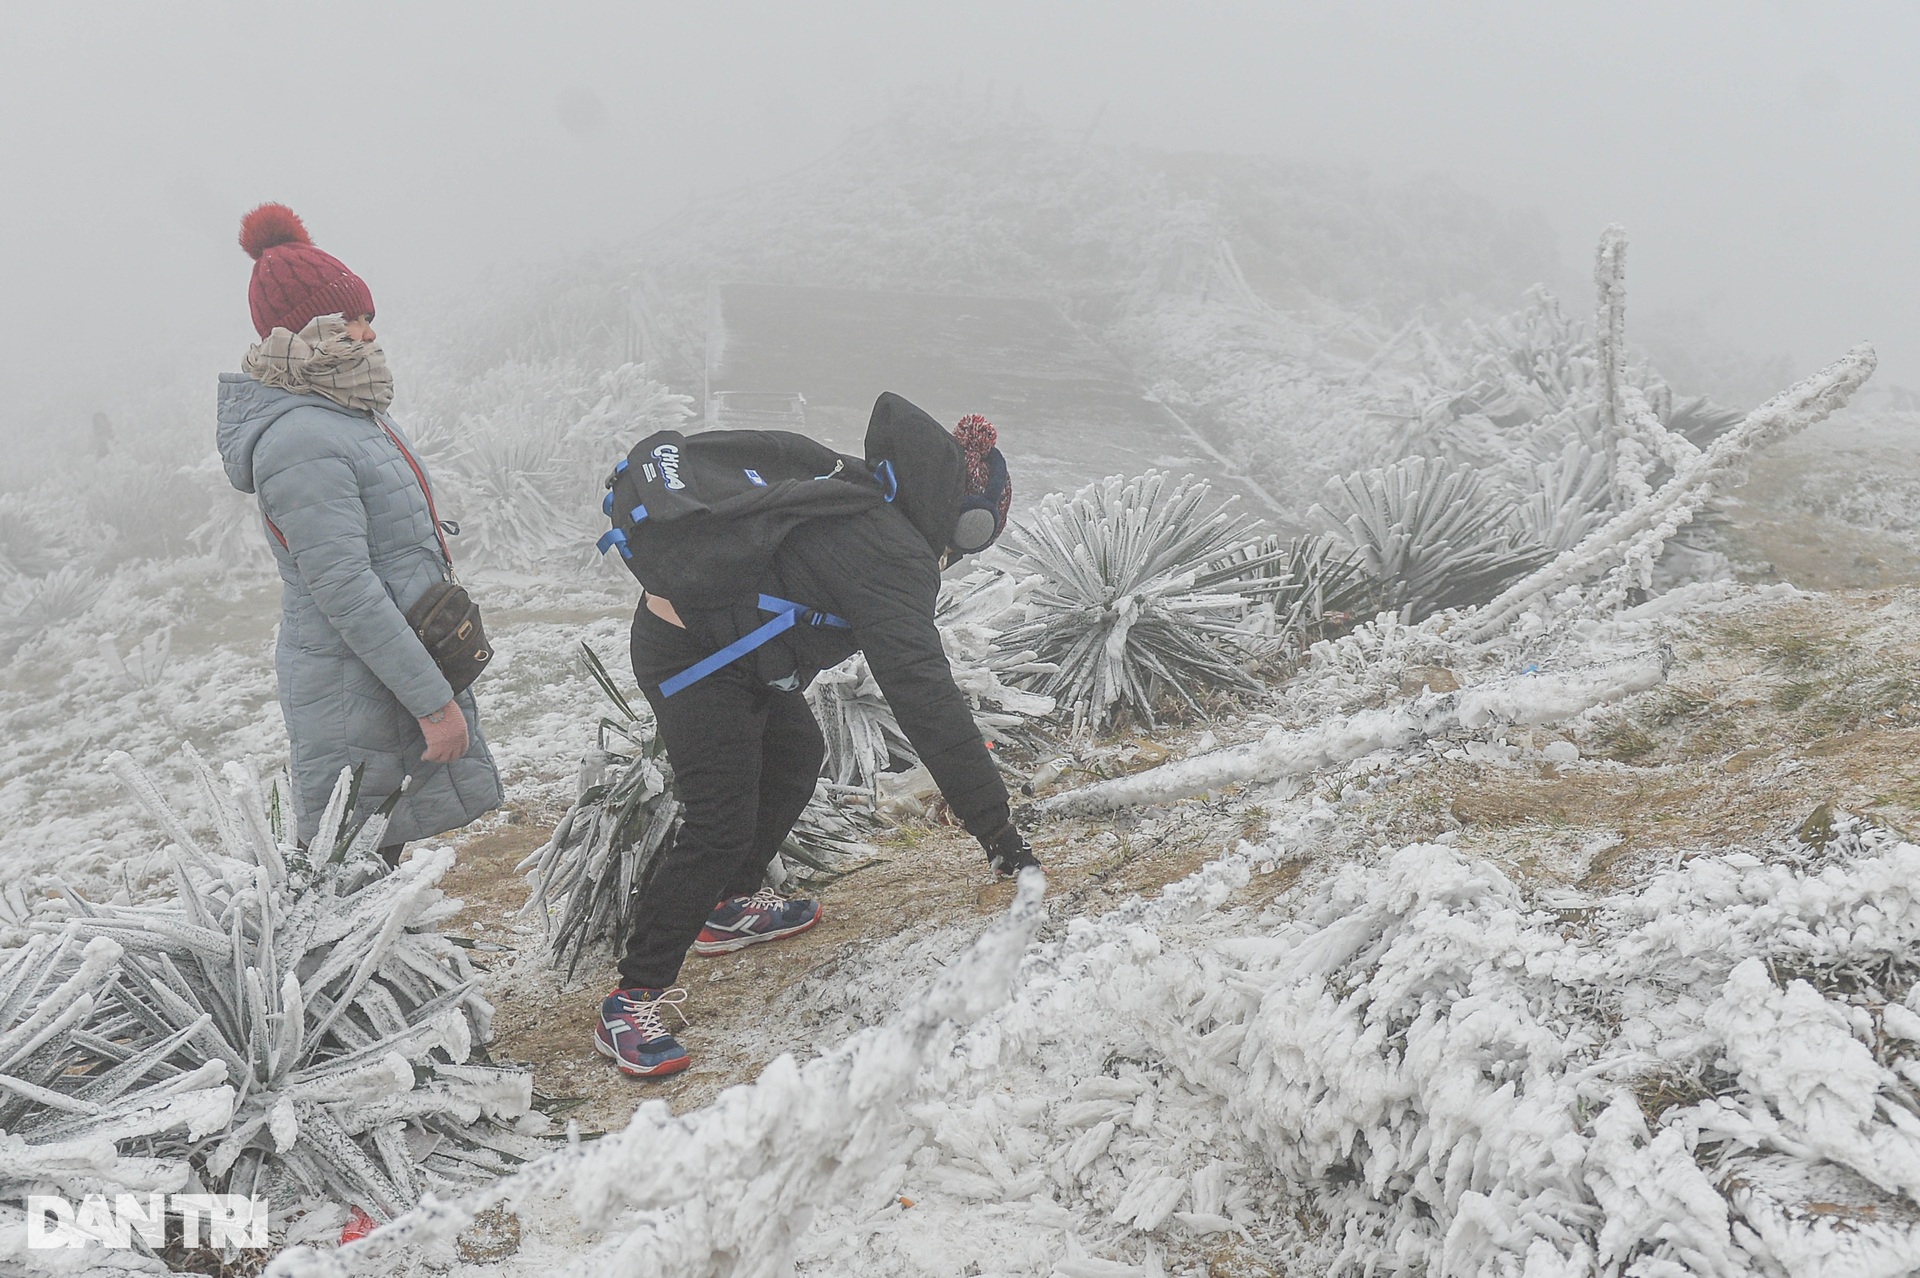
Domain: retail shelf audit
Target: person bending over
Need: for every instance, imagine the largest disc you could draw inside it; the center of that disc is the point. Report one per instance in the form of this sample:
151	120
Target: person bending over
728	701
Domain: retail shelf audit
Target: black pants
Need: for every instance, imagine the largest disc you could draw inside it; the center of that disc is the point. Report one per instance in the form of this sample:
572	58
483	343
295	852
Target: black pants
745	757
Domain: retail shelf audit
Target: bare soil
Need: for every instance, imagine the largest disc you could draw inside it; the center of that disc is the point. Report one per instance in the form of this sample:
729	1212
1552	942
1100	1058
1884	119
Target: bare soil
1765	717
925	877
1771	529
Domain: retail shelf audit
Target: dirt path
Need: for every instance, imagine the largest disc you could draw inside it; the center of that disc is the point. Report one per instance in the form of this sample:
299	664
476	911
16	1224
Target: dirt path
928	877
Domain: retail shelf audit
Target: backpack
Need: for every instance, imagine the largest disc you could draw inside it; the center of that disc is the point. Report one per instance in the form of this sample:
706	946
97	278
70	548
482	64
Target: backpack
697	518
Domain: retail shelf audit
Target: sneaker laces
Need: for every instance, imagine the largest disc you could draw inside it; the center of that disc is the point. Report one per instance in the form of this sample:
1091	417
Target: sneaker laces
764	899
646	1012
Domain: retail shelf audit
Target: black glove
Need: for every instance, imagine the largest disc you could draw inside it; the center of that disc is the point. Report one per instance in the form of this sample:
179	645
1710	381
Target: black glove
1008	851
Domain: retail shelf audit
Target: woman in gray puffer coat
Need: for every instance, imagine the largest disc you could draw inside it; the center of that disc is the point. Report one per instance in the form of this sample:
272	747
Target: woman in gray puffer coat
349	516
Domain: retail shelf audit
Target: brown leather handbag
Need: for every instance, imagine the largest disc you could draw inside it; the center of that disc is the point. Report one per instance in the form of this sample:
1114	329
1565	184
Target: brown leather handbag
448	622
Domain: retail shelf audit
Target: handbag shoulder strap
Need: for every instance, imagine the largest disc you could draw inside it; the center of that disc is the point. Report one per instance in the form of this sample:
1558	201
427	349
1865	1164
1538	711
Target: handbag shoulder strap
425	490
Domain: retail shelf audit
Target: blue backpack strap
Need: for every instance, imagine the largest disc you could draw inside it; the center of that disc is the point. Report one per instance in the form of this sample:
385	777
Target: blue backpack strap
787	615
770	603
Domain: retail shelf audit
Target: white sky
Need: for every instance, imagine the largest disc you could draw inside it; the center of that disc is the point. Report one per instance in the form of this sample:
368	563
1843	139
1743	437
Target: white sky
1764	156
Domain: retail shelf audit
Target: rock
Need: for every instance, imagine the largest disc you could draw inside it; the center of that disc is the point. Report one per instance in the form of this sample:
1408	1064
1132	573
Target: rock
493	1235
1817	830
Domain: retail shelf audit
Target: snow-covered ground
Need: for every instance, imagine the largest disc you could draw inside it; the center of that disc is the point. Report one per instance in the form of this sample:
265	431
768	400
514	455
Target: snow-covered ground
1489	1049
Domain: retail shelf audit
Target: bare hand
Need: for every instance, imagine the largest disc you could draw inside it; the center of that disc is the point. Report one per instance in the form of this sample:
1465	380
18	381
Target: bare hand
446	733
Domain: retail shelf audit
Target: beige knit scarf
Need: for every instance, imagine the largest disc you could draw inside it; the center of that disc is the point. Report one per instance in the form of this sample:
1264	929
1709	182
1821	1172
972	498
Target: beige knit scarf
322	360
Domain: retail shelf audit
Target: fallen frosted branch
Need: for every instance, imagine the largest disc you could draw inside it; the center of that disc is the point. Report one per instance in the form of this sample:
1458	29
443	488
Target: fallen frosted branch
1523	699
1627	544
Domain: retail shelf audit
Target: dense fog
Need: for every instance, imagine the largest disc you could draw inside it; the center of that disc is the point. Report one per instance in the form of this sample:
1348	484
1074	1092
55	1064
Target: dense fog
1763	157
1330	640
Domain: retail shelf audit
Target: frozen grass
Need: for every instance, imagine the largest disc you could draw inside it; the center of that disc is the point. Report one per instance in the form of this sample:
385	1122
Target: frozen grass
1405	1064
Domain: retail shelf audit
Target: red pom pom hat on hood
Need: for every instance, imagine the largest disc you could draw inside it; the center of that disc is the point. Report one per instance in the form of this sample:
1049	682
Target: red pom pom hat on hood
292	280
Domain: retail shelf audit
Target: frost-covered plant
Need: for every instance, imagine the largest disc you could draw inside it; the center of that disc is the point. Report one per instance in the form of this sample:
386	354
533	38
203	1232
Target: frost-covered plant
139	500
82	1112
315	985
1429	534
863	737
587	878
30	605
974	613
511	479
1567	499
1560	432
521	449
28	545
145	664
1134	604
232	531
1308	586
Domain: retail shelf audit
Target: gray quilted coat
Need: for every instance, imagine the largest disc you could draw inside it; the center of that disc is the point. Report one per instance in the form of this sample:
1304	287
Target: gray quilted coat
360	549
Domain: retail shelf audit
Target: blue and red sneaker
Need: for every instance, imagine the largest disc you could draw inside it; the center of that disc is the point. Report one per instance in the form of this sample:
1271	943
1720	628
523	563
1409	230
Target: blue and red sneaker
630	1031
740	921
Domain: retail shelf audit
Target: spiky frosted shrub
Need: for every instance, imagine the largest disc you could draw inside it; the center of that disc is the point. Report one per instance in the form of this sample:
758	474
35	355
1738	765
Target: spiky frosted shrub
864	738
512	477
521	450
140	500
28	545
30	605
587	878
1307	587
1429	533
1566	500
1133	605
89	1101
314	987
861	733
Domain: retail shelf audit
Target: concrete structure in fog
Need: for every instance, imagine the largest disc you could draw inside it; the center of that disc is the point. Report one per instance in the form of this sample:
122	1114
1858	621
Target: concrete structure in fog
814	359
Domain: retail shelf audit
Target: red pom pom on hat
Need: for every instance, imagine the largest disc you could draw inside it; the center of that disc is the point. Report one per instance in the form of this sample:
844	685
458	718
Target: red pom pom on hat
977	438
269	226
976	435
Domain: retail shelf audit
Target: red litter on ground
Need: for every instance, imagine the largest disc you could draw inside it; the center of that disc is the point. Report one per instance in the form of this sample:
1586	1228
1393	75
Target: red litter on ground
358	1226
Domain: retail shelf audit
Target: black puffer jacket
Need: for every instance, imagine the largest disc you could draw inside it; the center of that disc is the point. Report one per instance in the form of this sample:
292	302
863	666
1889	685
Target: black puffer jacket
877	572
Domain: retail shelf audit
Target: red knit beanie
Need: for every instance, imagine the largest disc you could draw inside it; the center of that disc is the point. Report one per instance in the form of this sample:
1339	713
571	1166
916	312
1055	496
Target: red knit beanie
292	280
